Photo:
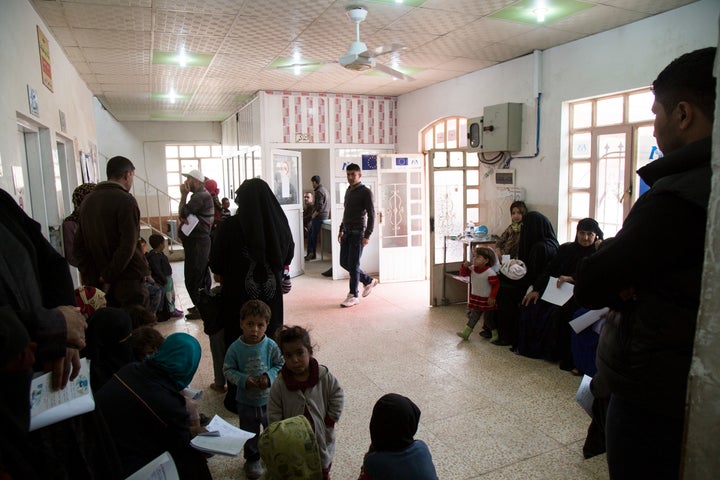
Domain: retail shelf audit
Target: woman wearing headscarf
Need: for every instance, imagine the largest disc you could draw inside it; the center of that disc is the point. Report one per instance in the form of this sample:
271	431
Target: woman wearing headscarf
250	251
108	344
290	450
71	222
538	245
543	330
146	412
394	454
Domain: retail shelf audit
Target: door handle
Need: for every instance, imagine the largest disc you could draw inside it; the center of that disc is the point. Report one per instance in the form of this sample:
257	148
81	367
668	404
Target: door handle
380	218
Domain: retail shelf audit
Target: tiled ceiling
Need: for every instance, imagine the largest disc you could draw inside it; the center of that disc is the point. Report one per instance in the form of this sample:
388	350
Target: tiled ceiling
112	44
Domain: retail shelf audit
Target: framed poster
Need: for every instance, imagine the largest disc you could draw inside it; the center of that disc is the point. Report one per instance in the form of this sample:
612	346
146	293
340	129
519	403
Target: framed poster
45	67
33	101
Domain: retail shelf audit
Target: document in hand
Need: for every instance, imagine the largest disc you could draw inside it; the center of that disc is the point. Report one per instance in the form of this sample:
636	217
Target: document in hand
222	438
584	396
161	468
48	406
586	319
555	295
192	220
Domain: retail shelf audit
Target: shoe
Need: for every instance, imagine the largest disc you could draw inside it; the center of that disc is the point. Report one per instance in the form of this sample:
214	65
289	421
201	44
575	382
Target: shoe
327	273
177	313
485	333
500	343
218	388
310	256
204	420
368	288
193	316
192	309
465	334
253	469
350	301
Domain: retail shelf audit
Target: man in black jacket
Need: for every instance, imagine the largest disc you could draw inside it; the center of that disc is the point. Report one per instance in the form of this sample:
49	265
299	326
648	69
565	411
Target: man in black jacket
647	342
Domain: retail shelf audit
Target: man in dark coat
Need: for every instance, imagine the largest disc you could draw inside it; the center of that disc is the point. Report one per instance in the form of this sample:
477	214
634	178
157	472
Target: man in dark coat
646	345
106	243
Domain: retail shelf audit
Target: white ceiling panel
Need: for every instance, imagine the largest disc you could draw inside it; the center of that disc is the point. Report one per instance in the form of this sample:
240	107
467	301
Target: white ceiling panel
111	44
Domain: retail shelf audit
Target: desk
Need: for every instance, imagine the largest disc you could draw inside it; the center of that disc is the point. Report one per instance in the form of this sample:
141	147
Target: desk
325	239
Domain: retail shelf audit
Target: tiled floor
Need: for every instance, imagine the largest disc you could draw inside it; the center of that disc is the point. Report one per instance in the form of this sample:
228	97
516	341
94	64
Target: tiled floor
486	413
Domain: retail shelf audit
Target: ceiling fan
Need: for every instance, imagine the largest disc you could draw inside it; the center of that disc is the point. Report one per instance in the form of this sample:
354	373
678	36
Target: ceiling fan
358	57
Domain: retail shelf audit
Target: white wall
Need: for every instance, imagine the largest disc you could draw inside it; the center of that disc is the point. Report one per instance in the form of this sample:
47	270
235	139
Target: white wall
20	59
621	59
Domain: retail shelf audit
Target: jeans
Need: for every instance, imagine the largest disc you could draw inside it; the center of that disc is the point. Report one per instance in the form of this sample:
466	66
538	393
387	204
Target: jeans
197	273
351	249
641	443
315	227
250	420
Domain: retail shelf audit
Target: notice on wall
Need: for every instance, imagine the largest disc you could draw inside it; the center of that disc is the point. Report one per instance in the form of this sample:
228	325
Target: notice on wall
45	66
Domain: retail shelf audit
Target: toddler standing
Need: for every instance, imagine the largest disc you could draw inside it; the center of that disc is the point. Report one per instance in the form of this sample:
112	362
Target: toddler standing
162	274
252	363
484	286
510	239
307	388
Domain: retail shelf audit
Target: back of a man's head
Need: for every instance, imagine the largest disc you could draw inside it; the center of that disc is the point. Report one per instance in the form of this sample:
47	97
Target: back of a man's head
688	78
117	166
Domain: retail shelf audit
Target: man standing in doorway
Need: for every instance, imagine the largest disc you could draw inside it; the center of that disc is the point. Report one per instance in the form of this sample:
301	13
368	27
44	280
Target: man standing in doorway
197	243
320	212
646	344
355	233
106	244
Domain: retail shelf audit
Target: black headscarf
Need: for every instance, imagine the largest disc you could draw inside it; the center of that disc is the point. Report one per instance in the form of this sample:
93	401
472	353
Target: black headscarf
393	423
264	224
108	344
589	225
535	228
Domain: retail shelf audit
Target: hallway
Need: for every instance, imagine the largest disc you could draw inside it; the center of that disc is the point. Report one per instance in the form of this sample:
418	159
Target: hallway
486	412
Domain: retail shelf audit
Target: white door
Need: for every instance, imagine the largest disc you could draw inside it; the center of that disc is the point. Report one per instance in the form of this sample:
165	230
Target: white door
401	215
286	173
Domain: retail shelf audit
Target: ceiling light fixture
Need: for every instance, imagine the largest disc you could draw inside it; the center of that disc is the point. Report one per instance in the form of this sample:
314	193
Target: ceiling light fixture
182	59
172	95
540	11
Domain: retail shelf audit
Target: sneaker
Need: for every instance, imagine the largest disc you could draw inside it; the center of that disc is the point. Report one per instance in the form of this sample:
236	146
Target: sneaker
177	313
310	256
350	301
368	288
253	469
485	333
327	273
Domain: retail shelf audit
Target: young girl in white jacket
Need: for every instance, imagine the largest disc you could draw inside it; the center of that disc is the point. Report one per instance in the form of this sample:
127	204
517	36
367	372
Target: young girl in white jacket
307	388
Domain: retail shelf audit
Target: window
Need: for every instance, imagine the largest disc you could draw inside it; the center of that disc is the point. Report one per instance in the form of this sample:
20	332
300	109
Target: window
181	159
610	138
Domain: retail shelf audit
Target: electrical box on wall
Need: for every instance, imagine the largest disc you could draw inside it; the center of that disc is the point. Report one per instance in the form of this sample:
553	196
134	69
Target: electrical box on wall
474	133
501	128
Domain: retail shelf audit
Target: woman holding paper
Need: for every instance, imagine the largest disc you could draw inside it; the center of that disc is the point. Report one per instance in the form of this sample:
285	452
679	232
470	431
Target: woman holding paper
544	331
145	409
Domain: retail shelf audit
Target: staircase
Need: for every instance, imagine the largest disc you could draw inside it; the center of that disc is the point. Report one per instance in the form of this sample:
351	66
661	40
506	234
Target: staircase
158	214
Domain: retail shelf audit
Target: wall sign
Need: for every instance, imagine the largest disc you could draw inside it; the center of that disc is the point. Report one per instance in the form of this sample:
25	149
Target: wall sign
45	67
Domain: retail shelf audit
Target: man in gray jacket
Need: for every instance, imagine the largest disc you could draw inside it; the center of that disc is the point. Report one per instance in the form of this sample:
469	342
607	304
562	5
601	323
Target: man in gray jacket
320	212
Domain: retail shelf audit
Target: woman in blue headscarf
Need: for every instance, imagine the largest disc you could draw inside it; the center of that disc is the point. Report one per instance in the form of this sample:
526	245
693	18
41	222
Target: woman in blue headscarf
146	412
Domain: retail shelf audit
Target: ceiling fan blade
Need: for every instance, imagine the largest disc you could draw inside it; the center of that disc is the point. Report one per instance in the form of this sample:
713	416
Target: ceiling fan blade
385	49
392	72
293	65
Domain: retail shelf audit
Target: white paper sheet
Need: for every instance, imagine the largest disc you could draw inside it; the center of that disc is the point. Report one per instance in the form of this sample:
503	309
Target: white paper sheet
221	438
161	468
187	228
48	406
557	296
584	396
586	319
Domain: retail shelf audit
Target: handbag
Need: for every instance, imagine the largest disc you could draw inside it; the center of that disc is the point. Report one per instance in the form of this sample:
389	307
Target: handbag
209	305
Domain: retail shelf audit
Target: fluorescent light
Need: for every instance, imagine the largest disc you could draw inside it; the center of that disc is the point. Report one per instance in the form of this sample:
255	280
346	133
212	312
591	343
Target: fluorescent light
182	59
172	95
296	70
540	11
